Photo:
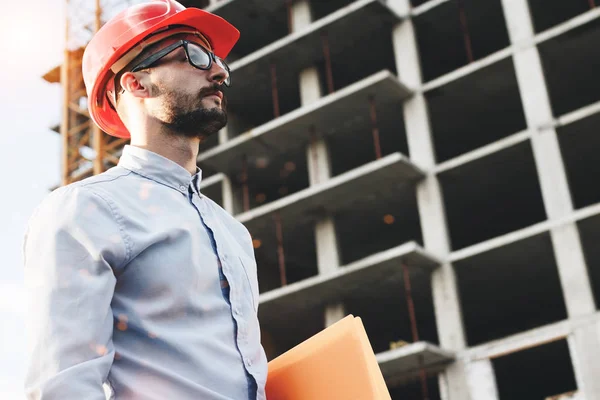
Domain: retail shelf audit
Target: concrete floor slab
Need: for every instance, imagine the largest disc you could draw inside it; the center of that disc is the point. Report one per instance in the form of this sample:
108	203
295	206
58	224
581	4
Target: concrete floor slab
334	195
354	278
408	360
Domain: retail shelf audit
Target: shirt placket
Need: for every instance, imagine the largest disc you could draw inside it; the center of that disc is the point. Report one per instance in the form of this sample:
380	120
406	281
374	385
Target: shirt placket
235	287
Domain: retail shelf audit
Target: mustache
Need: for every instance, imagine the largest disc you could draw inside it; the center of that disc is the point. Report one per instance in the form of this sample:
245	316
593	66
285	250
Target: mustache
212	89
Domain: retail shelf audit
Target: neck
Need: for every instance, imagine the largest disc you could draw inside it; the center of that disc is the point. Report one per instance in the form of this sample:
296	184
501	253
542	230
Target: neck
177	148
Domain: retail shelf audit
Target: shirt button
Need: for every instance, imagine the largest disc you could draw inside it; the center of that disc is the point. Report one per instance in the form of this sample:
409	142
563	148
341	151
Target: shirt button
182	188
248	362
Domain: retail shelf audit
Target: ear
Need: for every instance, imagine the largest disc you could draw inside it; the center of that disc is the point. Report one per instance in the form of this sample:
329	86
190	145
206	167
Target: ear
136	83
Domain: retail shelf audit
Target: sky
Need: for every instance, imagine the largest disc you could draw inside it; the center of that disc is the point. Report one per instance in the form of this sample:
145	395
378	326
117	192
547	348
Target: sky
31	43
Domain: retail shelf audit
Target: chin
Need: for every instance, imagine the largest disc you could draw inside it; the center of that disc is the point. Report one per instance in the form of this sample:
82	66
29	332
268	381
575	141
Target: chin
212	102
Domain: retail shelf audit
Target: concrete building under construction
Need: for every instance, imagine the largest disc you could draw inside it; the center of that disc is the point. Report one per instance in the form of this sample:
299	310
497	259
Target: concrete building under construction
425	165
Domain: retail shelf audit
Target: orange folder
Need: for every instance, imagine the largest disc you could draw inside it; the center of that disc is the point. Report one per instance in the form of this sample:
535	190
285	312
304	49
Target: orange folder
337	363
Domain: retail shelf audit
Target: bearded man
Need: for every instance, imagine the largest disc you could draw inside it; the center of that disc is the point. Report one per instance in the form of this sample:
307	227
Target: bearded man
140	286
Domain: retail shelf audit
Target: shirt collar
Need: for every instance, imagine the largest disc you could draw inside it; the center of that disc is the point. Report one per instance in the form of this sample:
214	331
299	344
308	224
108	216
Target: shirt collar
160	169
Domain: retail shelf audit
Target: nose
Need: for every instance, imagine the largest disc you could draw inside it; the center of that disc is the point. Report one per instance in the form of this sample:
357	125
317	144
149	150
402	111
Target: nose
218	74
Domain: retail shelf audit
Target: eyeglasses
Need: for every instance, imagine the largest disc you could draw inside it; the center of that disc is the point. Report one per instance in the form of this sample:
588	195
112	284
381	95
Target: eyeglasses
197	56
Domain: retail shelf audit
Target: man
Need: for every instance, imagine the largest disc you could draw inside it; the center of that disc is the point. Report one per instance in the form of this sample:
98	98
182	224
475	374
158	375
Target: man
140	286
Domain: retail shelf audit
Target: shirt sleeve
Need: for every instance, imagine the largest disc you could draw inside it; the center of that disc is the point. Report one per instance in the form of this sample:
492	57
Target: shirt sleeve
73	249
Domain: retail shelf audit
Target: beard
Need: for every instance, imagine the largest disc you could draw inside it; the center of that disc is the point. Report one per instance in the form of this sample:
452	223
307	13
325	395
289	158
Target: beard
185	115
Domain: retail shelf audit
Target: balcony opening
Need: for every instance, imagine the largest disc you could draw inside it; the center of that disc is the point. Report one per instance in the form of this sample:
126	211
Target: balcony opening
276	94
322	9
536	373
589	231
195	3
493	195
365	56
362	139
510	289
299	252
413	389
258	27
474	110
384	310
571	63
548	13
445	43
378	222
417	3
579	142
270	176
279	336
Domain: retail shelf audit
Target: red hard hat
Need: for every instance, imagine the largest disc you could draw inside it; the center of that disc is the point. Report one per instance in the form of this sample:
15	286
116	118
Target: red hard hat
125	31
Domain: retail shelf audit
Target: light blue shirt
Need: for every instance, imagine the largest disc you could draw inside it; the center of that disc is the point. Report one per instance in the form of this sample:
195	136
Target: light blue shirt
123	272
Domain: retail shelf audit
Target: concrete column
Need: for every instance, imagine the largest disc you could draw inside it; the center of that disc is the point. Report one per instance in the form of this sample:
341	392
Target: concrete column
227	193
550	166
585	362
223	135
317	153
226	188
572	269
482	381
310	88
453	382
301	15
319	168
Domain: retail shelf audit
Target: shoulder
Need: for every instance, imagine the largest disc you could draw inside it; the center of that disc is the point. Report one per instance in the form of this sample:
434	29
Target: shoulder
74	224
110	178
99	189
80	201
69	204
86	188
77	213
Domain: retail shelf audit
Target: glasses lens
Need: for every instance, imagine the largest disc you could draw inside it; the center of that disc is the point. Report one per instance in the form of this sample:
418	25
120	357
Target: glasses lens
201	59
198	56
224	66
